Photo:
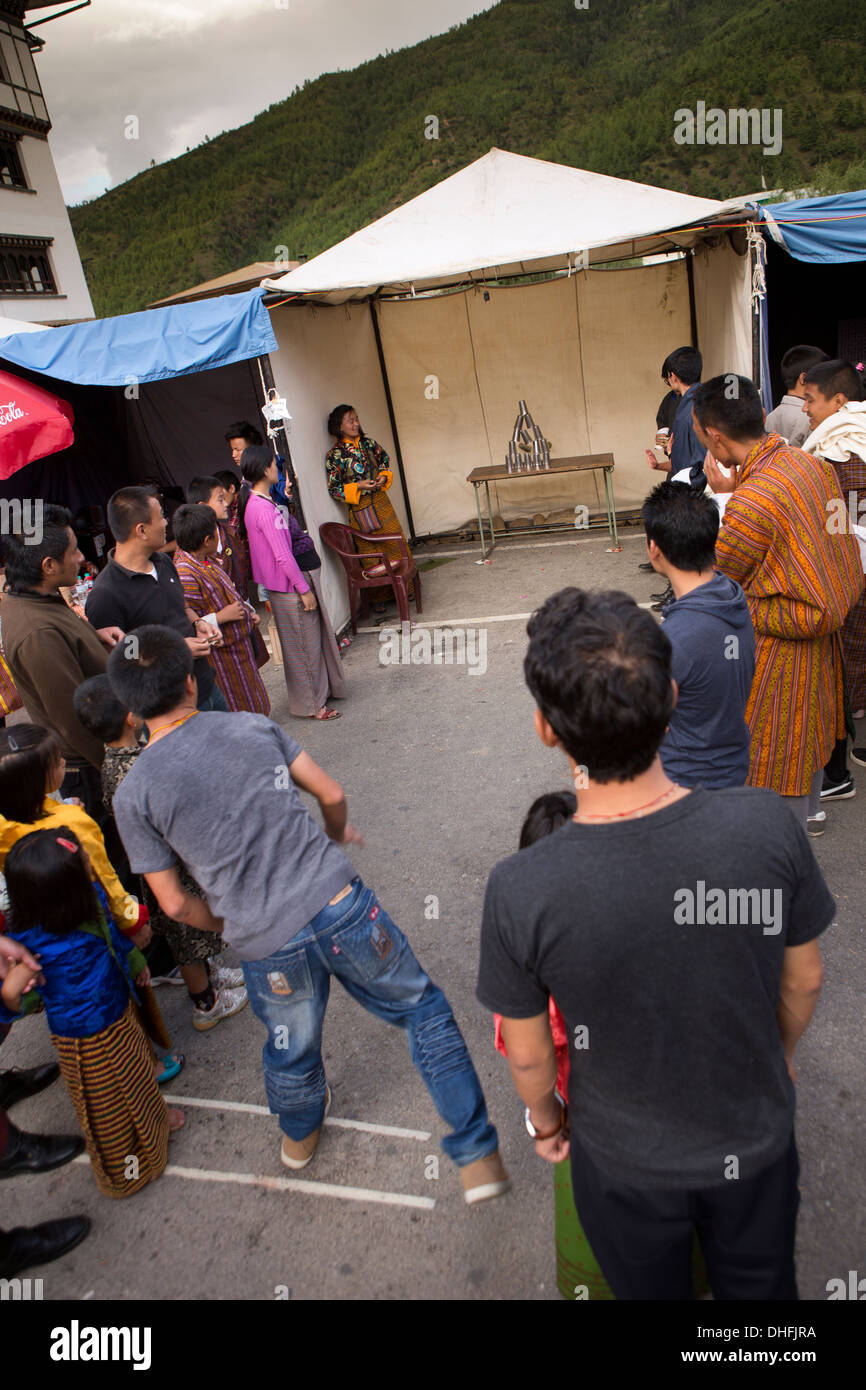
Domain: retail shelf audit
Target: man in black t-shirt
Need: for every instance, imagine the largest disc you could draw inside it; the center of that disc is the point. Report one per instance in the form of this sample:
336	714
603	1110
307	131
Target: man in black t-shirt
140	585
677	932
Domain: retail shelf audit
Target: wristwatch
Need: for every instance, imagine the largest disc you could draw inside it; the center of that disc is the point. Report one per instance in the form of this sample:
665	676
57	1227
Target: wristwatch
547	1134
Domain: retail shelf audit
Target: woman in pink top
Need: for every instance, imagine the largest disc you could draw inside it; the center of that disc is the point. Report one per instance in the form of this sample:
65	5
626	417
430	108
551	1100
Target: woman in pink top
311	658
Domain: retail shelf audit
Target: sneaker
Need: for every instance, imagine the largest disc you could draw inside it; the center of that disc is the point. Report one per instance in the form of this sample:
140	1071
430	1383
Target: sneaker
225	976
838	791
858	755
296	1153
173	977
483	1179
815	824
226	1003
647	567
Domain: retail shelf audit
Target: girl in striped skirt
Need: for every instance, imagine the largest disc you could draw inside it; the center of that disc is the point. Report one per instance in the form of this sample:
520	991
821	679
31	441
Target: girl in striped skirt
87	984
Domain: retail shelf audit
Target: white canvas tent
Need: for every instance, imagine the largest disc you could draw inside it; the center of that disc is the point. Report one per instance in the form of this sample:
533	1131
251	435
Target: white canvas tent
407	307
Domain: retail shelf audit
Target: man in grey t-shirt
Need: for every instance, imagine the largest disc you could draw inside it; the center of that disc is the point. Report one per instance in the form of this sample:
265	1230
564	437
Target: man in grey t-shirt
218	792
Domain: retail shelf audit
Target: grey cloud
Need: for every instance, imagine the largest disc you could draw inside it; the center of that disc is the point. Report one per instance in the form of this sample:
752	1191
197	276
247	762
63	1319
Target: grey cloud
209	75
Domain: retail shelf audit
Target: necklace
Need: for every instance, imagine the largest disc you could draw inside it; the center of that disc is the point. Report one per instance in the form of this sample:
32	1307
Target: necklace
621	815
173	725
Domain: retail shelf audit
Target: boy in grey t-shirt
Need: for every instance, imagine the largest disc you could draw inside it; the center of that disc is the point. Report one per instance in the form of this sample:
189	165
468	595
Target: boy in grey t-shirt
218	791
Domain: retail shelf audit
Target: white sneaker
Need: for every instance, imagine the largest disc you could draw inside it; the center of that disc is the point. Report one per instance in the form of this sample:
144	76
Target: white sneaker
225	976
815	824
226	1003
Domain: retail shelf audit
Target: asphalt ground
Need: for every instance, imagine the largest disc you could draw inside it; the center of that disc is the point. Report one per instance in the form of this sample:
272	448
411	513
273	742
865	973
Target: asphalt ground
439	767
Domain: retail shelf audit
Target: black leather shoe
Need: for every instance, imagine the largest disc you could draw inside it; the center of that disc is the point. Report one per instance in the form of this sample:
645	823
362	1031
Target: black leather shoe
647	565
18	1084
39	1245
38	1153
664	597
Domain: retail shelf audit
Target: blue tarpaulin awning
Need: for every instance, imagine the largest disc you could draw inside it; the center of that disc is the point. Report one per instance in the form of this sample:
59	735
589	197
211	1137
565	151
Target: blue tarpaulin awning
823	230
149	346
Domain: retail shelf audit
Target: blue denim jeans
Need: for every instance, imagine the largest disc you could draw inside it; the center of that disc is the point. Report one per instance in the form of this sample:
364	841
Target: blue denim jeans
356	941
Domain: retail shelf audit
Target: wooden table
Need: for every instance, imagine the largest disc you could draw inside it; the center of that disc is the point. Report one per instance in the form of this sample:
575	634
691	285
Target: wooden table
582	464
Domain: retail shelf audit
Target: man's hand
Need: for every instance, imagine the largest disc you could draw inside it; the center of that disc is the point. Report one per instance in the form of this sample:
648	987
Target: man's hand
13	953
143	936
716	478
143	978
654	463
110	636
199	646
350	836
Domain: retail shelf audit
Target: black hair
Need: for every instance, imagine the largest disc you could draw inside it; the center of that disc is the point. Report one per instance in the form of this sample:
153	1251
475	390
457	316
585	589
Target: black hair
48	884
684	525
242	429
836	377
599	670
148	674
192	524
686	362
128	508
732	405
28	754
799	359
255	462
546	814
199	489
98	709
24	561
228	479
335	419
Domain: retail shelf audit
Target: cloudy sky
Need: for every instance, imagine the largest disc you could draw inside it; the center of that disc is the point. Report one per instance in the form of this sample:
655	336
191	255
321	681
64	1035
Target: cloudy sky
189	68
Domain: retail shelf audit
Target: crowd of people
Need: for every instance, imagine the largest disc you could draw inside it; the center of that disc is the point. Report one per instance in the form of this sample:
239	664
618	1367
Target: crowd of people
660	1008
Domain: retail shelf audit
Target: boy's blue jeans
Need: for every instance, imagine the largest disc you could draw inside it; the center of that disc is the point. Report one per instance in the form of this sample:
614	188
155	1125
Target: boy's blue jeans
356	941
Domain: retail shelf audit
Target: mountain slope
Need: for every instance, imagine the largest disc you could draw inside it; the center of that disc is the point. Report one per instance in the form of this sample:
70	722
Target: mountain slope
595	88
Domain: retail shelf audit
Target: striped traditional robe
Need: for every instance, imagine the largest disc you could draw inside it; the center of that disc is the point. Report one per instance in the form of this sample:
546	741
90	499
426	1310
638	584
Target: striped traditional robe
800	581
208	589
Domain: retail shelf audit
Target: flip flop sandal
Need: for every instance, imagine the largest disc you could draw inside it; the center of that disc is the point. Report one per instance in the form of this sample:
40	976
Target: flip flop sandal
329	714
173	1064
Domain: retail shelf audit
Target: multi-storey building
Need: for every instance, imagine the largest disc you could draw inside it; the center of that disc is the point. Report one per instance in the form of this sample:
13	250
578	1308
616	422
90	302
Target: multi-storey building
41	278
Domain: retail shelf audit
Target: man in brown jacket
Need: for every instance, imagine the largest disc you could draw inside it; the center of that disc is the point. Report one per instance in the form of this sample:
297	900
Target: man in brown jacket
50	650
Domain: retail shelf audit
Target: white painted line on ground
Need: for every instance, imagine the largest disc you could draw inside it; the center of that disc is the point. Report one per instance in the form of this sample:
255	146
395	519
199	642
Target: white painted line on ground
392	1131
530	545
312	1189
455	622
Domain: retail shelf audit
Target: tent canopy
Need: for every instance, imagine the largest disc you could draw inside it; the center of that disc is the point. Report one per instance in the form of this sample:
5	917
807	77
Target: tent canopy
823	230
150	346
505	214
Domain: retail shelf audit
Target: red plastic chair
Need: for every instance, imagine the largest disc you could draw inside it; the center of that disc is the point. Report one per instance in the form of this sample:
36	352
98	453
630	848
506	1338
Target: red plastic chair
340	539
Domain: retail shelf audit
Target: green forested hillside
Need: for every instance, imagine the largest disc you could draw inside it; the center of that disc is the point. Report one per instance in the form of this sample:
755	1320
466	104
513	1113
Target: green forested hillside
596	88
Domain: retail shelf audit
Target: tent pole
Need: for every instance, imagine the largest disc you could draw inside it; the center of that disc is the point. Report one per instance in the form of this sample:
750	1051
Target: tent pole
386	384
268	384
693	310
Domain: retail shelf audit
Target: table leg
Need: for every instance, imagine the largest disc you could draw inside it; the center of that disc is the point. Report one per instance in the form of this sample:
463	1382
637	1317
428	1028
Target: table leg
490	517
480	522
611	505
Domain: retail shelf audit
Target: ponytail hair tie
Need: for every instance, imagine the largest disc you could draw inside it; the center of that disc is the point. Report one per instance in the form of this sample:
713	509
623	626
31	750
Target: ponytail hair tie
67	844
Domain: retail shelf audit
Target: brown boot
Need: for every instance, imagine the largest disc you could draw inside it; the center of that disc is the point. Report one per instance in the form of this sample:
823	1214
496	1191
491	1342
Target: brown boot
485	1178
296	1153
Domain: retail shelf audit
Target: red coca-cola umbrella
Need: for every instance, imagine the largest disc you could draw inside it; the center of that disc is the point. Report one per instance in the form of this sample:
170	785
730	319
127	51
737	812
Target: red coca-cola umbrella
33	423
